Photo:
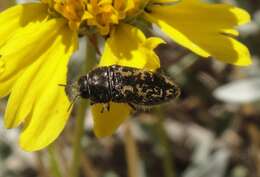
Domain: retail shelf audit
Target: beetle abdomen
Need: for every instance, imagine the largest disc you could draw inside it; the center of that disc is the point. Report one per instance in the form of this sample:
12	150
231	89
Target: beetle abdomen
140	87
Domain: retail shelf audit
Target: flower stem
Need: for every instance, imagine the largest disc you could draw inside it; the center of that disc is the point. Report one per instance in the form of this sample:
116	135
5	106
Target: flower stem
131	151
40	164
168	163
53	161
80	118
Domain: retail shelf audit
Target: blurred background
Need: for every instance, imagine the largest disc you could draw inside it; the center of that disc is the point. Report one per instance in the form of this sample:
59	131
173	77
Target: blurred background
212	130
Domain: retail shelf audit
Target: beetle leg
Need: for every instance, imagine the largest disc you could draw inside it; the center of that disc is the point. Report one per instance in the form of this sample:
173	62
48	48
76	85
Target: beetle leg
132	106
108	106
105	108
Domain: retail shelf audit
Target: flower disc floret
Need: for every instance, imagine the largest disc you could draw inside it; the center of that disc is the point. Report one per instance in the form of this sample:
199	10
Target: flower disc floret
99	14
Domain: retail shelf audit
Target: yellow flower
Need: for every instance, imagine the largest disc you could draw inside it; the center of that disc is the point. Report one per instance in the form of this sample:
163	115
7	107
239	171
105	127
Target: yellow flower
206	29
37	40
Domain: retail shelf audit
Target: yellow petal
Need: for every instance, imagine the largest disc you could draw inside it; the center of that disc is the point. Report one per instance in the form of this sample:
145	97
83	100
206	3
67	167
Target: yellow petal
27	86
23	48
207	35
107	122
133	50
50	103
102	2
22	97
19	16
41	100
6	86
129	5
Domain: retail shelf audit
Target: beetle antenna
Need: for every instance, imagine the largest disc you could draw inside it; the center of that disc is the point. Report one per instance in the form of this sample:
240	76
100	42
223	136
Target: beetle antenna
62	85
73	102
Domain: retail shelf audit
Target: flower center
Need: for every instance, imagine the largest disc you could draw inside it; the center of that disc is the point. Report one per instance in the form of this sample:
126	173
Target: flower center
101	15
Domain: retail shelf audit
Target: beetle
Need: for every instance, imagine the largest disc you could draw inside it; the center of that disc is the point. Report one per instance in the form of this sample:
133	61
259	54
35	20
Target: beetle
122	84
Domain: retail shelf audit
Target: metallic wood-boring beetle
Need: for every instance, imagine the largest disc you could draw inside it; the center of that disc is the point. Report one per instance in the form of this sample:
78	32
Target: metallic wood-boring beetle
121	84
